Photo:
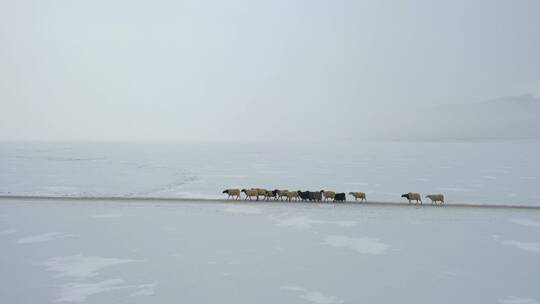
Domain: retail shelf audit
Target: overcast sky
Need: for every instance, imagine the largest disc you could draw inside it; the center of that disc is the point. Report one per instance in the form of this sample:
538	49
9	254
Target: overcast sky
243	70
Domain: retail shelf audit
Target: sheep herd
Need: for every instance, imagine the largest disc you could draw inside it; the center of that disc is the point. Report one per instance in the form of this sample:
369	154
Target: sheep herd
317	196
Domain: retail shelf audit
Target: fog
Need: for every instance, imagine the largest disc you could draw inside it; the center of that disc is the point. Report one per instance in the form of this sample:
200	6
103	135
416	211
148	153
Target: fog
263	70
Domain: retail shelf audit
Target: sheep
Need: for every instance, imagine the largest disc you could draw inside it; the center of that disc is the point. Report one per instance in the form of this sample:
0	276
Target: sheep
232	193
339	197
304	195
328	194
315	196
292	194
413	196
269	194
251	193
359	195
281	194
436	198
260	192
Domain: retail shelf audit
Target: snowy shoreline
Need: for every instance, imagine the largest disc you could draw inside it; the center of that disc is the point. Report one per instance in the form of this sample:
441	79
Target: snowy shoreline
35	198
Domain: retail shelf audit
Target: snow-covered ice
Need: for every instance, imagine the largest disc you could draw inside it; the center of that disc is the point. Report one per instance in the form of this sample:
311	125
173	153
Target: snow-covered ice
243	209
361	245
525	222
518	300
79	292
305	222
527	246
258	252
80	266
7	231
313	296
43	237
464	171
107	215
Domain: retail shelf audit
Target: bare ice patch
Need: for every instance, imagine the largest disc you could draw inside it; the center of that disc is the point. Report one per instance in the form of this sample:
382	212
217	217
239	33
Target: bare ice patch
44	237
525	222
7	231
80	266
533	247
362	245
313	296
518	300
305	222
243	209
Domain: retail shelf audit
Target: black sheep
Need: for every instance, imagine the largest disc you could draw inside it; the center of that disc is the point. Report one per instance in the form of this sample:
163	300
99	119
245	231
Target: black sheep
304	195
315	196
340	197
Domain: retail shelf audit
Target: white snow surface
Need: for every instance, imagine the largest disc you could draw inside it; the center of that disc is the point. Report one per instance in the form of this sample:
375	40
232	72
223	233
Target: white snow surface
466	172
519	300
259	252
313	296
43	237
525	222
361	245
80	266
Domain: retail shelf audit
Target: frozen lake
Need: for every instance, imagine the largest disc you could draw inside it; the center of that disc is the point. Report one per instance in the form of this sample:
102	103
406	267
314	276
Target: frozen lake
157	252
479	173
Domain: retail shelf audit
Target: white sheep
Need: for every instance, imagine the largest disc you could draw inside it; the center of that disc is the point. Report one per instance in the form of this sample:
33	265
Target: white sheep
413	196
436	198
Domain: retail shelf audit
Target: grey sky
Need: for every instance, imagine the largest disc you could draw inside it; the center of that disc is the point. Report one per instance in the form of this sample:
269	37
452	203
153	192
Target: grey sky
244	70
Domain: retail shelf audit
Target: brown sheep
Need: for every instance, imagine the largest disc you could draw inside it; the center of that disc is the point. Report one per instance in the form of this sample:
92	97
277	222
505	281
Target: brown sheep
359	195
251	193
281	194
260	192
328	195
234	193
291	195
